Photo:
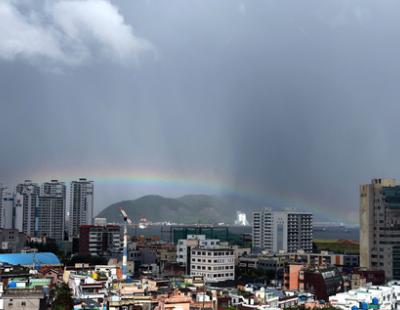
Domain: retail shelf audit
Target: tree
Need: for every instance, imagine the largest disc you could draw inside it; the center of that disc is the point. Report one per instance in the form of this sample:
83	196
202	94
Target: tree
45	247
62	298
85	259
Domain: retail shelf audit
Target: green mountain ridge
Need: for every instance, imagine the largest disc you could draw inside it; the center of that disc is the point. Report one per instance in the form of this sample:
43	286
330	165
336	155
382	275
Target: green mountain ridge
185	209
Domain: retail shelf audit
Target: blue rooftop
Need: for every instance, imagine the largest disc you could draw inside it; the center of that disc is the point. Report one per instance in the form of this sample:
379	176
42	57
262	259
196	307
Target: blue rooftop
25	259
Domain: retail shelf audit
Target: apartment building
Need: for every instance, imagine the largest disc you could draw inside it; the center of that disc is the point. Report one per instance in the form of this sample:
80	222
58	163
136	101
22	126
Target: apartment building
193	241
30	206
81	205
52	210
100	240
288	230
214	264
11	209
380	227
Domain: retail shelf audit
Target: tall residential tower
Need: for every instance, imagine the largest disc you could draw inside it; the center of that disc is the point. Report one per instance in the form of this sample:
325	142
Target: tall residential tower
81	205
11	207
52	210
380	227
30	207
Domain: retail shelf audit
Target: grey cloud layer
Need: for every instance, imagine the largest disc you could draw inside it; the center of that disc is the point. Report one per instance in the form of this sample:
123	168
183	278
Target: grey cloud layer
283	98
66	31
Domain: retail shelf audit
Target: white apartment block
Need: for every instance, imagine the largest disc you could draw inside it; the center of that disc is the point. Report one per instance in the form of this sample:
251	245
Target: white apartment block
52	208
288	231
193	241
214	264
81	205
30	204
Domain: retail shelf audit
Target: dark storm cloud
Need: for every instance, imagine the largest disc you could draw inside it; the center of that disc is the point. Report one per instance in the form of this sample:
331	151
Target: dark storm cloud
288	98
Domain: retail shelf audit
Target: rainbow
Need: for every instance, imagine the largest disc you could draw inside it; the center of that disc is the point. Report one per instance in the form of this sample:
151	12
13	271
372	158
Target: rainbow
190	184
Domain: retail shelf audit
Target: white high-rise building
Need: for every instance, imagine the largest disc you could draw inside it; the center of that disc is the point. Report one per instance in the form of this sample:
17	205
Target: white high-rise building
10	209
380	227
30	205
81	205
52	209
289	230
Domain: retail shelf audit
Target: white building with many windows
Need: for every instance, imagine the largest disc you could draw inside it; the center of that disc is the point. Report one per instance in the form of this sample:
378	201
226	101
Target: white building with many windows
52	210
81	205
30	206
214	264
193	241
288	230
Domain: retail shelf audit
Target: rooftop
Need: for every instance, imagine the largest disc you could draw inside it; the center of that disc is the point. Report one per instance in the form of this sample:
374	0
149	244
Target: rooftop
28	259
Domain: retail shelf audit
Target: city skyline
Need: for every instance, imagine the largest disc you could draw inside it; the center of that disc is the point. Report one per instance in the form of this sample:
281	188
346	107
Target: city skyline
295	205
199	155
289	104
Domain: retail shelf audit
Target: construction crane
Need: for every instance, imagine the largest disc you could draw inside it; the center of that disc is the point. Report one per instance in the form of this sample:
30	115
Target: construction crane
143	223
127	221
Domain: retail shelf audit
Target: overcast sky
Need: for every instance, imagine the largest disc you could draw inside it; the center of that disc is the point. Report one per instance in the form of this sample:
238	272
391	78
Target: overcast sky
295	102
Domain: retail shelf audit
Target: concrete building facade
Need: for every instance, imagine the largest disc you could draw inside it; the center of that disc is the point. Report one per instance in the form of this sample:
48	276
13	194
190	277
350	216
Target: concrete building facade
12	240
214	264
30	205
100	240
52	208
11	210
2	190
193	241
81	205
380	227
288	230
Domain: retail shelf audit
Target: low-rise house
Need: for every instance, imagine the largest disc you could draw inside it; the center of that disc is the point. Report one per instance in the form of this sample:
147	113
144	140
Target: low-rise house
25	293
84	286
174	301
263	298
382	297
54	274
321	281
9	271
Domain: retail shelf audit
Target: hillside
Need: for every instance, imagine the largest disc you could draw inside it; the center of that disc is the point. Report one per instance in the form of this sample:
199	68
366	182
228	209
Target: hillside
186	209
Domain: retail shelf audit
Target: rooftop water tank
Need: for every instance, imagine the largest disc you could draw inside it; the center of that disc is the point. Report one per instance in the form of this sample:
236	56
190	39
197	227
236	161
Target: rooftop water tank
12	284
